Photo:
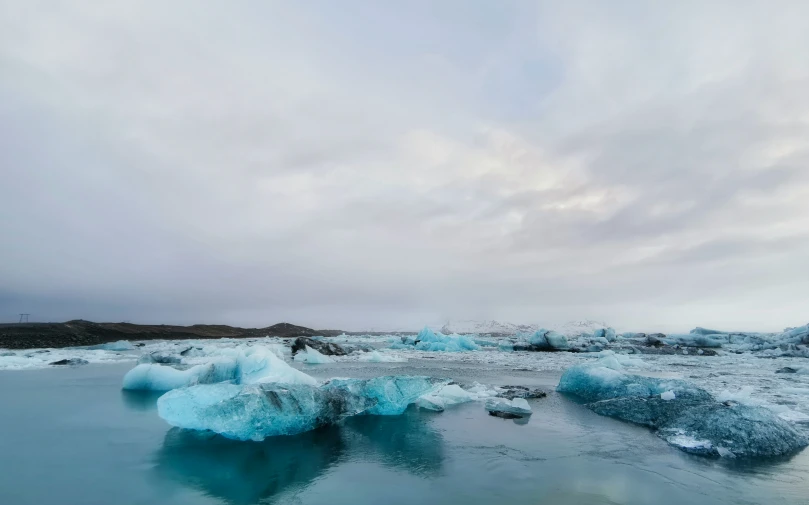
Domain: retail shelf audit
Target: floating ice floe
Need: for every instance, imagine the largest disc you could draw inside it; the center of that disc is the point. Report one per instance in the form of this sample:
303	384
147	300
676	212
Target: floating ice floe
378	357
453	394
26	359
508	409
311	356
428	340
684	415
242	366
258	411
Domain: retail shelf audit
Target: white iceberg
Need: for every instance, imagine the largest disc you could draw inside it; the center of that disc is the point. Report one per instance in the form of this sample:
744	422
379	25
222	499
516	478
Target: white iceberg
249	365
509	409
311	356
454	394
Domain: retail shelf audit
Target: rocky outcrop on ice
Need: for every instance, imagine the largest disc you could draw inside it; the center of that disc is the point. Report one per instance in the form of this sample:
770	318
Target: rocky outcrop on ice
70	362
323	347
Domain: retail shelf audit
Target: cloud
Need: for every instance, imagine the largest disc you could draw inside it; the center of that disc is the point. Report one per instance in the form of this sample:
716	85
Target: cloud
360	165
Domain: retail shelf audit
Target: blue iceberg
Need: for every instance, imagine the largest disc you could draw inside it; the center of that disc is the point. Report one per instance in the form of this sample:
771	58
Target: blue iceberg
258	411
154	377
242	366
429	340
684	415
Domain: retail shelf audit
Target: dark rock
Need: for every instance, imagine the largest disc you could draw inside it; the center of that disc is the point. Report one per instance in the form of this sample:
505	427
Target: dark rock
504	415
70	362
326	348
511	392
786	369
185	352
163	359
654	341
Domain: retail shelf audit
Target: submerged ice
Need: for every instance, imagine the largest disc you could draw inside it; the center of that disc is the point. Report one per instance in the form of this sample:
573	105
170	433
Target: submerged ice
258	411
683	414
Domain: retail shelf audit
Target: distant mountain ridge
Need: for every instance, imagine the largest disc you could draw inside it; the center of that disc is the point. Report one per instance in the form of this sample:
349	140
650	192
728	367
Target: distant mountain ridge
81	333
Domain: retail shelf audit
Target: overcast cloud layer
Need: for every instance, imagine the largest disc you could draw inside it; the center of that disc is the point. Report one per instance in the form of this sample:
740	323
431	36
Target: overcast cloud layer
385	165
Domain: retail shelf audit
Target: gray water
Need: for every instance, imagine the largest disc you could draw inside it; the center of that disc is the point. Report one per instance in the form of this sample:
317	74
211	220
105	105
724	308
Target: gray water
71	436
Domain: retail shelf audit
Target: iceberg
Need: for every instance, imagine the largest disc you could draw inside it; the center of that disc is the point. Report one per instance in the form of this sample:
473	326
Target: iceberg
607	334
732	430
429	340
154	377
453	394
391	394
548	340
508	409
684	415
605	379
258	411
311	356
251	365
259	365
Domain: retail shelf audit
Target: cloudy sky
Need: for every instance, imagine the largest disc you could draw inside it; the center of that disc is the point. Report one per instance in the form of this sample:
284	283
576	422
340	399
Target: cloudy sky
364	164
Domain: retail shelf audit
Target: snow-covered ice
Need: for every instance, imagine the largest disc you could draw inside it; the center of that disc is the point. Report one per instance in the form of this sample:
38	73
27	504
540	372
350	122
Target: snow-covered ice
242	365
311	356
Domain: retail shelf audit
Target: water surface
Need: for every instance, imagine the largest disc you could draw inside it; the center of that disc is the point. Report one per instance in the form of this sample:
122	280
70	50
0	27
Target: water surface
71	436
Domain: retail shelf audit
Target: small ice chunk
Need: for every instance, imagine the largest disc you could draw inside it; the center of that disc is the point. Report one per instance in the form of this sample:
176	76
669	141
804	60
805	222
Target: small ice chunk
449	395
311	356
509	409
667	395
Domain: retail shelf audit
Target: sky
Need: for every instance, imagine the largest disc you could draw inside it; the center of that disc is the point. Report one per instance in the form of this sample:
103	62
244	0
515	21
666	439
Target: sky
386	165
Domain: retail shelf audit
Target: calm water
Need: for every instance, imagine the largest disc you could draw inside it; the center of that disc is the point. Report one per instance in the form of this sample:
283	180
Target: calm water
71	436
